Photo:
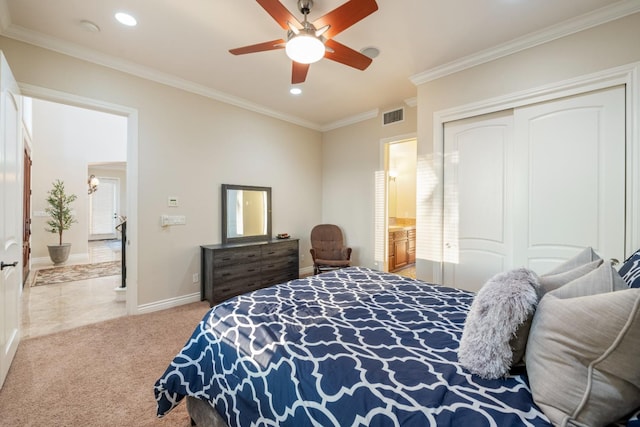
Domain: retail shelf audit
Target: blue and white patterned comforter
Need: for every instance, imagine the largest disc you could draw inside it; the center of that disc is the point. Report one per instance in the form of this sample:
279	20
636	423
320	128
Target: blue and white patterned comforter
354	347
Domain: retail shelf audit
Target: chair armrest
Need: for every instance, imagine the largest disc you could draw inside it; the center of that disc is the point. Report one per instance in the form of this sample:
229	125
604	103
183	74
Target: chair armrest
313	254
346	253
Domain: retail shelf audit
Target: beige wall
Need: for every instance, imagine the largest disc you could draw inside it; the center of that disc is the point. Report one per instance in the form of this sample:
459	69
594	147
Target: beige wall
350	158
351	154
65	140
188	145
596	49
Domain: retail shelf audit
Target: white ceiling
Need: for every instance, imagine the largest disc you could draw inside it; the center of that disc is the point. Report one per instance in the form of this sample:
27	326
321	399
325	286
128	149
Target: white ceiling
185	43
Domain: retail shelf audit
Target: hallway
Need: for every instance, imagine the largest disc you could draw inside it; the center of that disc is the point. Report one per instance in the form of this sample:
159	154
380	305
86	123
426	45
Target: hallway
52	308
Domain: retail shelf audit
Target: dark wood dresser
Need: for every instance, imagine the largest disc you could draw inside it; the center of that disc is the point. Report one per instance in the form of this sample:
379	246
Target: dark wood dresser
234	269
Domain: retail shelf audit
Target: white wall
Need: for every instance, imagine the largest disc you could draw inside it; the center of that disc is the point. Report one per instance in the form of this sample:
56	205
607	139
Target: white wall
65	140
188	145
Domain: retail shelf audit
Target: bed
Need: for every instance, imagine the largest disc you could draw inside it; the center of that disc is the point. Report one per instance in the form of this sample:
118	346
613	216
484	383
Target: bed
352	347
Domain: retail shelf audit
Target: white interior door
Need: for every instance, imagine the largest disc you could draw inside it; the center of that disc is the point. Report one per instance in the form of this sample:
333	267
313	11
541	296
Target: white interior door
534	189
103	210
477	228
571	181
11	217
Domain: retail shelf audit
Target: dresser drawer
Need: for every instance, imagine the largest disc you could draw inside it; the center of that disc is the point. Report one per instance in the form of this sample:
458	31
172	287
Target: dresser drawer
236	255
283	263
278	250
226	290
232	272
275	277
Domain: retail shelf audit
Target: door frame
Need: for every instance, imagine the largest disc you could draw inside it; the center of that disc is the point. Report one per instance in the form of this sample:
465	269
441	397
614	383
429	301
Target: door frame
627	75
132	172
381	204
26	210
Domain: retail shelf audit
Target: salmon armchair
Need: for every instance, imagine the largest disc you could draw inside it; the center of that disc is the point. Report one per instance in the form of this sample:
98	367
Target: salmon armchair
327	248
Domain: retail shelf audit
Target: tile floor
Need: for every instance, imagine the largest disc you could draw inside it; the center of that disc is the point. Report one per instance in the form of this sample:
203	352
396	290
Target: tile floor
57	307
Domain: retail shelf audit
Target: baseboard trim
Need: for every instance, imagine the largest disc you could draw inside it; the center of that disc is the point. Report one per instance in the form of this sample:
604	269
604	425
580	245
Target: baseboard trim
306	271
168	303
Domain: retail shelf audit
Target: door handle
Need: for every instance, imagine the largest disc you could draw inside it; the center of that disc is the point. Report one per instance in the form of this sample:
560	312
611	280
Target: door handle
3	265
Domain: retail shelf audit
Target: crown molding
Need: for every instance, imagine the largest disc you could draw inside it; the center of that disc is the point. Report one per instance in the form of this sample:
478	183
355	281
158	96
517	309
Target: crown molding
367	115
583	22
411	102
41	40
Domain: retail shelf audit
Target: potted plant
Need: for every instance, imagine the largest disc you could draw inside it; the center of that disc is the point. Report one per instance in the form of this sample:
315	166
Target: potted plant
61	219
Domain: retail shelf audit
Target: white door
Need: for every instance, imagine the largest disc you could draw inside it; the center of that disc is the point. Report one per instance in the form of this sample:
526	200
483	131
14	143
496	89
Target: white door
103	208
571	178
10	222
537	198
477	229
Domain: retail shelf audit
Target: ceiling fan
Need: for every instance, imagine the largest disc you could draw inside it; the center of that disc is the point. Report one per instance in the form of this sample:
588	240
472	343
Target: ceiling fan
308	42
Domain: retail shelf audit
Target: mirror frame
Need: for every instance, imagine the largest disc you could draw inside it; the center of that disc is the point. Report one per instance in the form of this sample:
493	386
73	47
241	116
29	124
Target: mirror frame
225	215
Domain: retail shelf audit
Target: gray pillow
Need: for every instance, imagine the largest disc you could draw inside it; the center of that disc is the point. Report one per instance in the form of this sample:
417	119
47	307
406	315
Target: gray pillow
585	256
549	282
582	350
497	320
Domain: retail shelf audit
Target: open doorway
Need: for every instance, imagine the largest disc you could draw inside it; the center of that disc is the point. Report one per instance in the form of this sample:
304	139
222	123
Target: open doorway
395	206
70	144
401	202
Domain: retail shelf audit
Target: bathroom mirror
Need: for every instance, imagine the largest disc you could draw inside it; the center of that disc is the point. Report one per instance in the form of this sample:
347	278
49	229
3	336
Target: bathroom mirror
246	213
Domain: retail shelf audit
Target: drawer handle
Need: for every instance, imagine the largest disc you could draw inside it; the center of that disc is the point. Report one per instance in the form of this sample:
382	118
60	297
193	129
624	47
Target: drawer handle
226	274
226	259
251	270
251	256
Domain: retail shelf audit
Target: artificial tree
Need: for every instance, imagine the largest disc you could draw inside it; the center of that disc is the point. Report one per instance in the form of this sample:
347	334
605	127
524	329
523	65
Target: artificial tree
61	219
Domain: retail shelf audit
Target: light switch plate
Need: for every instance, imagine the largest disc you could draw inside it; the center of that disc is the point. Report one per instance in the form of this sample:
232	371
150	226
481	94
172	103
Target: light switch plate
172	202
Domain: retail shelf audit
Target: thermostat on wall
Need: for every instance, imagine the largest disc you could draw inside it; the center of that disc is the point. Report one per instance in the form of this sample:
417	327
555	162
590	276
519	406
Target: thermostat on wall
172	202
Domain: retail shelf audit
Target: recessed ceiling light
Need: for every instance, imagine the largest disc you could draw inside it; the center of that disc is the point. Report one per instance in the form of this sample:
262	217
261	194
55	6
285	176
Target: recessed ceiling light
295	91
126	19
90	26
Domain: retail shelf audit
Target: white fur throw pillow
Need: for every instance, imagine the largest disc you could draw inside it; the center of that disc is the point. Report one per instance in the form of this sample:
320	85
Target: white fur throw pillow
500	313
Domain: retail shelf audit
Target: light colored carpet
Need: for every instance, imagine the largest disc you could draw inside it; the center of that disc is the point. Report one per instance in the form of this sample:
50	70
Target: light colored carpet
72	273
98	375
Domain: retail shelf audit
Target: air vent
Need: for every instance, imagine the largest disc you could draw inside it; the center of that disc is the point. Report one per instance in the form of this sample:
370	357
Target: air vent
393	116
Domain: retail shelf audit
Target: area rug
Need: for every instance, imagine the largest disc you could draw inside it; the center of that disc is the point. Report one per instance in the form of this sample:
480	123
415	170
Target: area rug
72	273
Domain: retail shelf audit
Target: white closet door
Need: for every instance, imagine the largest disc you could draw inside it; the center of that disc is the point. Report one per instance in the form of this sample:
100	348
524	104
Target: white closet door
570	178
477	226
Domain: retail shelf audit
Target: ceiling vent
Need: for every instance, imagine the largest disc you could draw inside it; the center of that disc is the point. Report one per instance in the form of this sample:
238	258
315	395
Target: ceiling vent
394	116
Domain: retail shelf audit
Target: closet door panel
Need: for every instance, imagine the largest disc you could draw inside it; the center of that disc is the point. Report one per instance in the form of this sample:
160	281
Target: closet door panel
570	189
477	220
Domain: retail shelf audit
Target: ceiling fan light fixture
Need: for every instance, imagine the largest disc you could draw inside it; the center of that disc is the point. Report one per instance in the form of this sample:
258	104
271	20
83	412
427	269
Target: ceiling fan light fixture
305	48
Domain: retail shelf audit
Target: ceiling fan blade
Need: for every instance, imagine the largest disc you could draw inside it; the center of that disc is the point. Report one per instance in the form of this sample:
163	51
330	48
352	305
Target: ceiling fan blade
299	72
280	13
345	55
345	16
260	47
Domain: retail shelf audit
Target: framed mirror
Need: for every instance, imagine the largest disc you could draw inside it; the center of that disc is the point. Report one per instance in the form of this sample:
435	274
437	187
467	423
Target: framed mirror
246	213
